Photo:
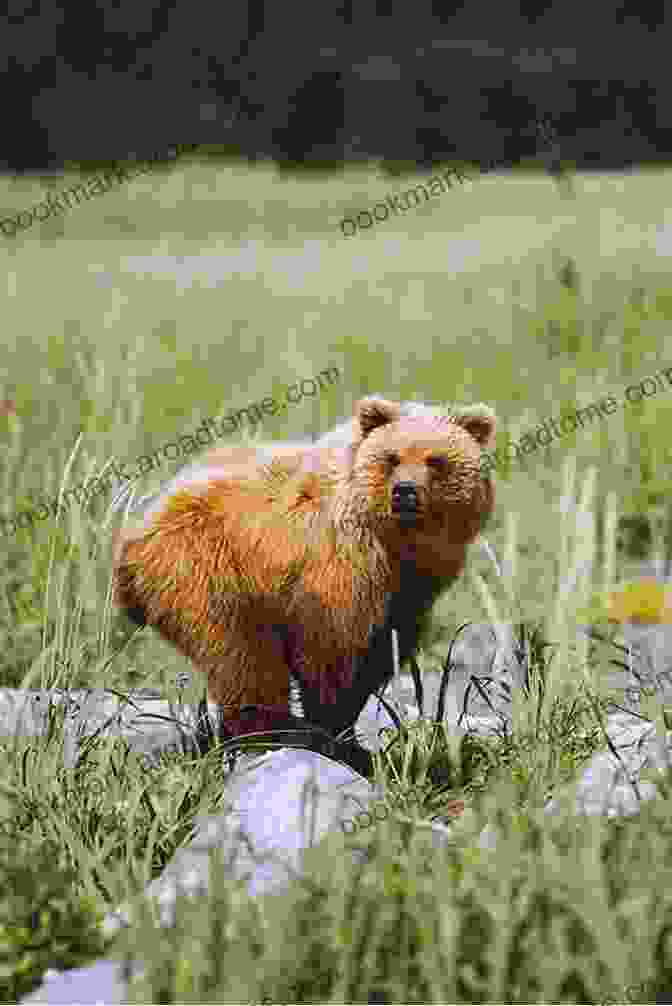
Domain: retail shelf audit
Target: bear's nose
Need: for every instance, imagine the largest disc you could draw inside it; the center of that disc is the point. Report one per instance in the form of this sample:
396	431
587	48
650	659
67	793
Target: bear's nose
405	501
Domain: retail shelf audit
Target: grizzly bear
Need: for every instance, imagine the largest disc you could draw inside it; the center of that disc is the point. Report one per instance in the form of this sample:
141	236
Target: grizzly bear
297	569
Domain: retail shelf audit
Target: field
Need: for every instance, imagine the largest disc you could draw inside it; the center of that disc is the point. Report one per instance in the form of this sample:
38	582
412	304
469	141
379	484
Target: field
196	290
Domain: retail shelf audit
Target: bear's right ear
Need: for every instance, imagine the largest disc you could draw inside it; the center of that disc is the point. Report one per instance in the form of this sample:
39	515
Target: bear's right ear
370	413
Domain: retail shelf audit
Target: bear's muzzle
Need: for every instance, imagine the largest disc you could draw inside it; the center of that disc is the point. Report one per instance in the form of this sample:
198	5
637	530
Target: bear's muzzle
405	503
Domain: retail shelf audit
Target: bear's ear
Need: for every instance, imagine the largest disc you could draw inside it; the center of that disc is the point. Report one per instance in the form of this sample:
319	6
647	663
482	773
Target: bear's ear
372	412
478	420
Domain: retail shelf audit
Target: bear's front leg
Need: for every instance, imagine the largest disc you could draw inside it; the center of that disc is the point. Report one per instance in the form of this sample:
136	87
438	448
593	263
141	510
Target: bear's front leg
251	692
248	675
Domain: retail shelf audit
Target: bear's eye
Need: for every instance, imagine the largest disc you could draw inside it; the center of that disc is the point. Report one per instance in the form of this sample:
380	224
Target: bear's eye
438	461
392	458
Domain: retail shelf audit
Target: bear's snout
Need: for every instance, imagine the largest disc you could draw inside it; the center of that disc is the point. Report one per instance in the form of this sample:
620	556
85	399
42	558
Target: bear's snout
405	502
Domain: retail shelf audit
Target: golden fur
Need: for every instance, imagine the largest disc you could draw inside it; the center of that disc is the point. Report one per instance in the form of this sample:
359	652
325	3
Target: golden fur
303	564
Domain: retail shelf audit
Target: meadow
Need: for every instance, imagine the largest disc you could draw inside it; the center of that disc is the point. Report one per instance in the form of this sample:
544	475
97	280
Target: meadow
197	289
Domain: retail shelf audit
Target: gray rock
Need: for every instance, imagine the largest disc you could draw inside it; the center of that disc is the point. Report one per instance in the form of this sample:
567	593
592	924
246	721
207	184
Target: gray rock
645	650
485	670
280	805
276	810
649	658
100	983
610	784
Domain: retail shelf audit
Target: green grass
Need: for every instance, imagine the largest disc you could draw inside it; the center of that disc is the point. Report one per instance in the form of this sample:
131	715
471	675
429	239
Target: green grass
467	299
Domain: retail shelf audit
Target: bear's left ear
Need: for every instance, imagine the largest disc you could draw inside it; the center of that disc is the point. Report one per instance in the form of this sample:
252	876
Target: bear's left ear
370	413
478	420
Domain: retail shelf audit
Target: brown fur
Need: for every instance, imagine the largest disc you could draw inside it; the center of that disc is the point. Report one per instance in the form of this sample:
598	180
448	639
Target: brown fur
304	565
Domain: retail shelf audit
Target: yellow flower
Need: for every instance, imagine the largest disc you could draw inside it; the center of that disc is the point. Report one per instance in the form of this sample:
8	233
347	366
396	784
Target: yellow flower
643	601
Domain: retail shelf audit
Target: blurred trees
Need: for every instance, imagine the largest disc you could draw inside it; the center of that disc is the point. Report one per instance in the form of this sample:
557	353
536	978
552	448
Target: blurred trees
318	84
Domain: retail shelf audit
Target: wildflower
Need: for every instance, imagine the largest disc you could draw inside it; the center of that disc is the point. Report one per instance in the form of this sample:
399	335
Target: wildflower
643	601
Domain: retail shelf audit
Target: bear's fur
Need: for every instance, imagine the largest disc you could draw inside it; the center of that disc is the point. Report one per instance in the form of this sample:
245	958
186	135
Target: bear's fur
300	566
240	460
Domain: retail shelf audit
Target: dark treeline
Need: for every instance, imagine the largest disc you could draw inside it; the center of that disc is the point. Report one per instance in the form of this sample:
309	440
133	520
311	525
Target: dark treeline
316	84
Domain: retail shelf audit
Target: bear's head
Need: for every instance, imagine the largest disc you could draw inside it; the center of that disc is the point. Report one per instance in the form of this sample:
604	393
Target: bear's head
420	470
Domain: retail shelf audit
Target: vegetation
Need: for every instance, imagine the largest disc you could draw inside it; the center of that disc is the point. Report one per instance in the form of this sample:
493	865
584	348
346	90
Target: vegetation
104	361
